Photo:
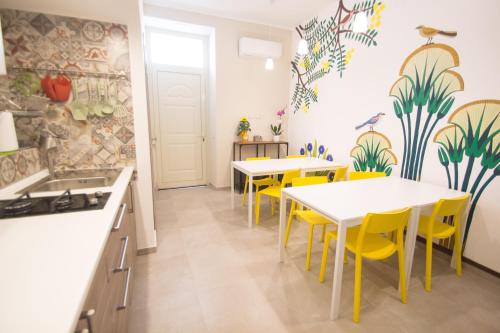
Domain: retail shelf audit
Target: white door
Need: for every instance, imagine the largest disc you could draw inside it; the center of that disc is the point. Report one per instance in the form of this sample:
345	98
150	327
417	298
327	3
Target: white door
177	94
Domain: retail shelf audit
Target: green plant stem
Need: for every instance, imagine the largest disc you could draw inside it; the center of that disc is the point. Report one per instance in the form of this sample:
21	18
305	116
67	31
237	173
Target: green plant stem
455	167
421	152
448	176
404	146
422	158
468	171
415	142
408	150
473	206
478	180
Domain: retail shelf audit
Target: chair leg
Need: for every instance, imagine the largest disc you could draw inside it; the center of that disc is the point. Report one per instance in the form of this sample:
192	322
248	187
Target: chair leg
401	264
272	206
244	192
289	224
257	208
309	247
357	288
346	259
323	233
428	263
324	257
458	250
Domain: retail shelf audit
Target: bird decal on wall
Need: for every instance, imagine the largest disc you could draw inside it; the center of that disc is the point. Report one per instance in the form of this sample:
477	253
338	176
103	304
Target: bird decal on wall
429	33
372	121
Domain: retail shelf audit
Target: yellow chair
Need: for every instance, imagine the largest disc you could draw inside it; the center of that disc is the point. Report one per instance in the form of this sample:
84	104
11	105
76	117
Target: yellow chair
295	156
274	192
340	174
431	227
356	175
310	216
366	241
268	181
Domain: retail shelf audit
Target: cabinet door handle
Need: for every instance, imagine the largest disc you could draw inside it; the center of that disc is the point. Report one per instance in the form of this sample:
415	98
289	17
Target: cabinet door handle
87	315
125	293
117	226
122	256
131	197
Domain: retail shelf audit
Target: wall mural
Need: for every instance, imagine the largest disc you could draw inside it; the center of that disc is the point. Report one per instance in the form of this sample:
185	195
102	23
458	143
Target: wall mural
316	151
373	153
423	97
327	49
472	134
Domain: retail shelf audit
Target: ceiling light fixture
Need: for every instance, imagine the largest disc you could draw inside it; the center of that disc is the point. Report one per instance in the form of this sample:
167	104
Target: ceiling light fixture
269	64
303	47
360	23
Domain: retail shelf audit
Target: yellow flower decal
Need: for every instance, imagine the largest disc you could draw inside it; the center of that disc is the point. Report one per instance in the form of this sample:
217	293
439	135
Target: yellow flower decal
305	108
348	55
302	64
316	48
377	9
315	90
325	64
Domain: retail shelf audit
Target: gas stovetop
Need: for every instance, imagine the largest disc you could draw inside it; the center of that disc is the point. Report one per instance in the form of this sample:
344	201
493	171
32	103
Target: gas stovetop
67	202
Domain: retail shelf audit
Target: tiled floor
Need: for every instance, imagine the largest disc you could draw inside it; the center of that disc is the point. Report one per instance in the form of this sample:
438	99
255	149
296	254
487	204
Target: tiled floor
212	274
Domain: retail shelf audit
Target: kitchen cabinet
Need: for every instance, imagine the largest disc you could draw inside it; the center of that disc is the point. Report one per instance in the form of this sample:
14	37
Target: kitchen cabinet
107	304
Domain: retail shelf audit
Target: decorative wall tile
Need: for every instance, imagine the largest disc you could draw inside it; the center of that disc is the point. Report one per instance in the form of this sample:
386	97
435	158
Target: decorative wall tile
39	42
24	163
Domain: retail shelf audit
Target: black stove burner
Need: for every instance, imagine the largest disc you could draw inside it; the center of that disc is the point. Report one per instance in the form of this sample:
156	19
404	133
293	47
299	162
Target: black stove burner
67	202
19	206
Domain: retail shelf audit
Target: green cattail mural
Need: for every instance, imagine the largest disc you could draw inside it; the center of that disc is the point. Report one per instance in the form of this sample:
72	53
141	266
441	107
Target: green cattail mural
373	153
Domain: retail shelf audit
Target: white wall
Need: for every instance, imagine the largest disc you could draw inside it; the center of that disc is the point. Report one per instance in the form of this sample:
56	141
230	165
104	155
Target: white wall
242	86
126	12
363	91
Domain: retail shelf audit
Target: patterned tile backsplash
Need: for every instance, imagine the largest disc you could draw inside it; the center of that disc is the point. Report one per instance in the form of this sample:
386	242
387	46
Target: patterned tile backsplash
24	163
95	56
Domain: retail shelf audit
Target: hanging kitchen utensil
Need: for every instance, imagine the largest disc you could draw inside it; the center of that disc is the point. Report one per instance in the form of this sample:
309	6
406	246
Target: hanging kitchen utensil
78	109
107	107
90	98
98	106
120	110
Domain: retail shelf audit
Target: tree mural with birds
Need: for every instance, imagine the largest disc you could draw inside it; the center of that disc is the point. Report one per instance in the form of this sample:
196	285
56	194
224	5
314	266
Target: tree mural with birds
371	122
422	98
327	49
429	33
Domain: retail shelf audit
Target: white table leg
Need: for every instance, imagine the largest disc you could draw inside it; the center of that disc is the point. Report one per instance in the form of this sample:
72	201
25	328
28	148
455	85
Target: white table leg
232	187
250	200
463	221
338	269
282	225
411	238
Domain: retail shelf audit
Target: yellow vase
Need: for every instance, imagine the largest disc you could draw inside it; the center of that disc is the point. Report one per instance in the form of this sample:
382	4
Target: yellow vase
244	136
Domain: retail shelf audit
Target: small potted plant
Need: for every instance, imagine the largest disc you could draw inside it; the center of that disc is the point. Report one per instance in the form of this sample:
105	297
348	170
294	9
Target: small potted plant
277	130
243	129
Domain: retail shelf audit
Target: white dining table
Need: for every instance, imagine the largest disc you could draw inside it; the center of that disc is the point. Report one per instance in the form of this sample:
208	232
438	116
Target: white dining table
257	168
346	203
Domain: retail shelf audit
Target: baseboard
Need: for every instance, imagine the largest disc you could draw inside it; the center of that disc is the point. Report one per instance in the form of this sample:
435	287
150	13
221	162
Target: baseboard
464	259
146	250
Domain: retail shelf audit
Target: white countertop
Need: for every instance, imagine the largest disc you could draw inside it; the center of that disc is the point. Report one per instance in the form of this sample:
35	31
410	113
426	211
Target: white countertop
48	262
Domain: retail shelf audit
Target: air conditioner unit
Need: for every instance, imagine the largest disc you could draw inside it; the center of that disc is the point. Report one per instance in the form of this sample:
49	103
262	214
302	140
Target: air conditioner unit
260	48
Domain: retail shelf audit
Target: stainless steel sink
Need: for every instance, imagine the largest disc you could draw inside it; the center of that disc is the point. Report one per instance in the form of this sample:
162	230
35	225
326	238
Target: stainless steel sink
75	179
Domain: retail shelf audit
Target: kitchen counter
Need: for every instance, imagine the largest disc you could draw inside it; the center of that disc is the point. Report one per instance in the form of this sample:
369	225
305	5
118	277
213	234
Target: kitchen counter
48	262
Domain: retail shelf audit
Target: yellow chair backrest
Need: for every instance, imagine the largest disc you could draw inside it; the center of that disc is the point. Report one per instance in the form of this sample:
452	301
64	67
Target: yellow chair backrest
295	156
377	223
356	175
340	174
258	158
450	207
289	176
304	181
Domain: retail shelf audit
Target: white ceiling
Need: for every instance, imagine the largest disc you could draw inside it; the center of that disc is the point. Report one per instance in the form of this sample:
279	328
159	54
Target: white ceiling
278	13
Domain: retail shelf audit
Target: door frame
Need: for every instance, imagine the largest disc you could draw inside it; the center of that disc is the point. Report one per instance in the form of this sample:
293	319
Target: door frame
153	102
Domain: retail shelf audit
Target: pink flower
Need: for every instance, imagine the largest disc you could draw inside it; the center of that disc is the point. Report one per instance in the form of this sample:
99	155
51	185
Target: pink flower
280	113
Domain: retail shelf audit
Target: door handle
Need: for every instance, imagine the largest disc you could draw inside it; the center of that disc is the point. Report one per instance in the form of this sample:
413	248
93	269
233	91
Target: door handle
153	141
